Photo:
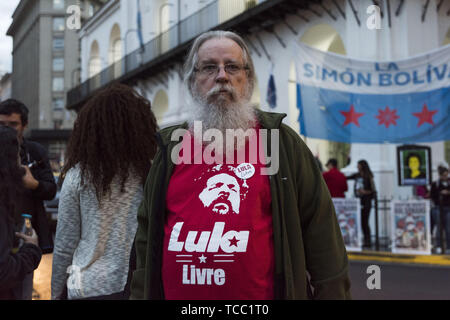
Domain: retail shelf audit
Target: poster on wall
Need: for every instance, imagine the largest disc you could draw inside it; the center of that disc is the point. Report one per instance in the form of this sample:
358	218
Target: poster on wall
411	226
347	212
414	165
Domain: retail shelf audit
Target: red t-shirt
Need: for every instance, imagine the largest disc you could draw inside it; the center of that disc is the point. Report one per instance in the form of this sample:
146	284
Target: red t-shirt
336	182
218	241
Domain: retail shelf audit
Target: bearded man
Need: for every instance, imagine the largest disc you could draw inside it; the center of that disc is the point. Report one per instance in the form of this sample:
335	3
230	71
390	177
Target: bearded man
285	243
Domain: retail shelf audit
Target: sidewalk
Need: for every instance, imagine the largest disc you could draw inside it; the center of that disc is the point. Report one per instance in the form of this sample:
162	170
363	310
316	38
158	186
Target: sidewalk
377	256
42	278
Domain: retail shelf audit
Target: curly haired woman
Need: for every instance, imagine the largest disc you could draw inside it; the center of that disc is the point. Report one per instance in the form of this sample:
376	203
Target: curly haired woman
108	159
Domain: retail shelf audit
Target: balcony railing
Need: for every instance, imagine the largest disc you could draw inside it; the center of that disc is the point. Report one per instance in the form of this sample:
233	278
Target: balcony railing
209	17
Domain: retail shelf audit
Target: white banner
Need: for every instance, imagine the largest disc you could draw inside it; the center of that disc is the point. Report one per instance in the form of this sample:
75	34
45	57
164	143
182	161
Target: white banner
348	216
410	221
421	73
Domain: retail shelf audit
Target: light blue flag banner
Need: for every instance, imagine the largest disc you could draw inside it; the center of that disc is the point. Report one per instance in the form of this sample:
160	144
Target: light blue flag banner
348	100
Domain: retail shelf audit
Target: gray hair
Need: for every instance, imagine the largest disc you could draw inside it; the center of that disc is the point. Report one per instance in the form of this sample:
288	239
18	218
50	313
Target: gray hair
192	58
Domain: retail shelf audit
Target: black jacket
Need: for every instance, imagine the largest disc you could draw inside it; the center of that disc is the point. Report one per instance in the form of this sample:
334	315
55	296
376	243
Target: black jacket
31	201
14	267
367	184
435	193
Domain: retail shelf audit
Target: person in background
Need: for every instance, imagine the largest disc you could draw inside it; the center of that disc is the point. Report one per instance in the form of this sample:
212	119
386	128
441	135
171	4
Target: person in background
335	180
14	267
421	192
364	189
440	195
108	158
38	180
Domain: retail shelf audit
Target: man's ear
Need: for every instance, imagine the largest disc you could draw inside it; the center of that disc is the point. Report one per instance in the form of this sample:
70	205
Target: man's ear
24	128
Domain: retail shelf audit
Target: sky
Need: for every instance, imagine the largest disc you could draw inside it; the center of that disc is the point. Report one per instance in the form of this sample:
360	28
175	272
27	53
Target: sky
6	10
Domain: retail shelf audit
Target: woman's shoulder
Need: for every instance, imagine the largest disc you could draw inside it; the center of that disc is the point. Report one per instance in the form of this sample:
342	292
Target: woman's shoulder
73	176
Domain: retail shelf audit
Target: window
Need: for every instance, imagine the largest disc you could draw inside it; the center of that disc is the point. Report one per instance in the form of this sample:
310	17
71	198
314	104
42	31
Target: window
55	150
58	84
90	10
58	4
250	4
57	124
58	64
58	104
58	24
58	43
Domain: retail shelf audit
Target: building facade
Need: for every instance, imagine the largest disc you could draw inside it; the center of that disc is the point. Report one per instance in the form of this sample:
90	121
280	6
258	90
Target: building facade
5	87
111	51
45	66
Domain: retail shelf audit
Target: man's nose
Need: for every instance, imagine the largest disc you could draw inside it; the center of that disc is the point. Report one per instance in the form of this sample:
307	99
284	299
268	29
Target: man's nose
224	193
222	75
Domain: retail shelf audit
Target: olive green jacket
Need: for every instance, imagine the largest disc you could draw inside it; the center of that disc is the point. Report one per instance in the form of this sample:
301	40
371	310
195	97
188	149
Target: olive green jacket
310	256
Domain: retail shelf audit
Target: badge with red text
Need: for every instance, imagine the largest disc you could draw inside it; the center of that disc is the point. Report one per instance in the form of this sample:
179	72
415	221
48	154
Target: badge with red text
245	171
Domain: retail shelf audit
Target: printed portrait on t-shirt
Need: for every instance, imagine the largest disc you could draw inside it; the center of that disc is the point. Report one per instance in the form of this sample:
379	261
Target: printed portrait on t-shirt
221	194
218	233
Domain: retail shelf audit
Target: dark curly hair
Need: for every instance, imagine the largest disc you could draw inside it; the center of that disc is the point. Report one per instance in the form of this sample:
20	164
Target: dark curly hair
10	106
10	171
114	132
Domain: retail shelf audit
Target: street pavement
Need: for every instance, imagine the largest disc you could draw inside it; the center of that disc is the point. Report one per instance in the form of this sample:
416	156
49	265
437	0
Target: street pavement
398	281
401	281
42	279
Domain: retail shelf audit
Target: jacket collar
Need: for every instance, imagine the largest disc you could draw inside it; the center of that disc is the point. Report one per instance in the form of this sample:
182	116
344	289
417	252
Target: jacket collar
268	120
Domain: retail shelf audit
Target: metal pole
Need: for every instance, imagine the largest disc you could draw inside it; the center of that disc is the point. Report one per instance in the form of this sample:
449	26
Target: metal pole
355	13
377	242
389	13
441	224
179	24
125	47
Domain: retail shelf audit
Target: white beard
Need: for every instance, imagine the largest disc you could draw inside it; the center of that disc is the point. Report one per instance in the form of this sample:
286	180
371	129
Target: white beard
216	112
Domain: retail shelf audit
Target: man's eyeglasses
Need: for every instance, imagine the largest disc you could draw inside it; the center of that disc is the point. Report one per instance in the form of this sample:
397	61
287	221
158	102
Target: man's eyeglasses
213	69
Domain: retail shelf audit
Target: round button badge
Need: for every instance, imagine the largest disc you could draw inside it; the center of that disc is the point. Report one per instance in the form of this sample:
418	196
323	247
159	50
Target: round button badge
245	171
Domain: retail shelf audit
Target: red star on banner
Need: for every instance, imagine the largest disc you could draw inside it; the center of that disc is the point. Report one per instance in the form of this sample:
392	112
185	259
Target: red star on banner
234	241
351	116
387	117
426	116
